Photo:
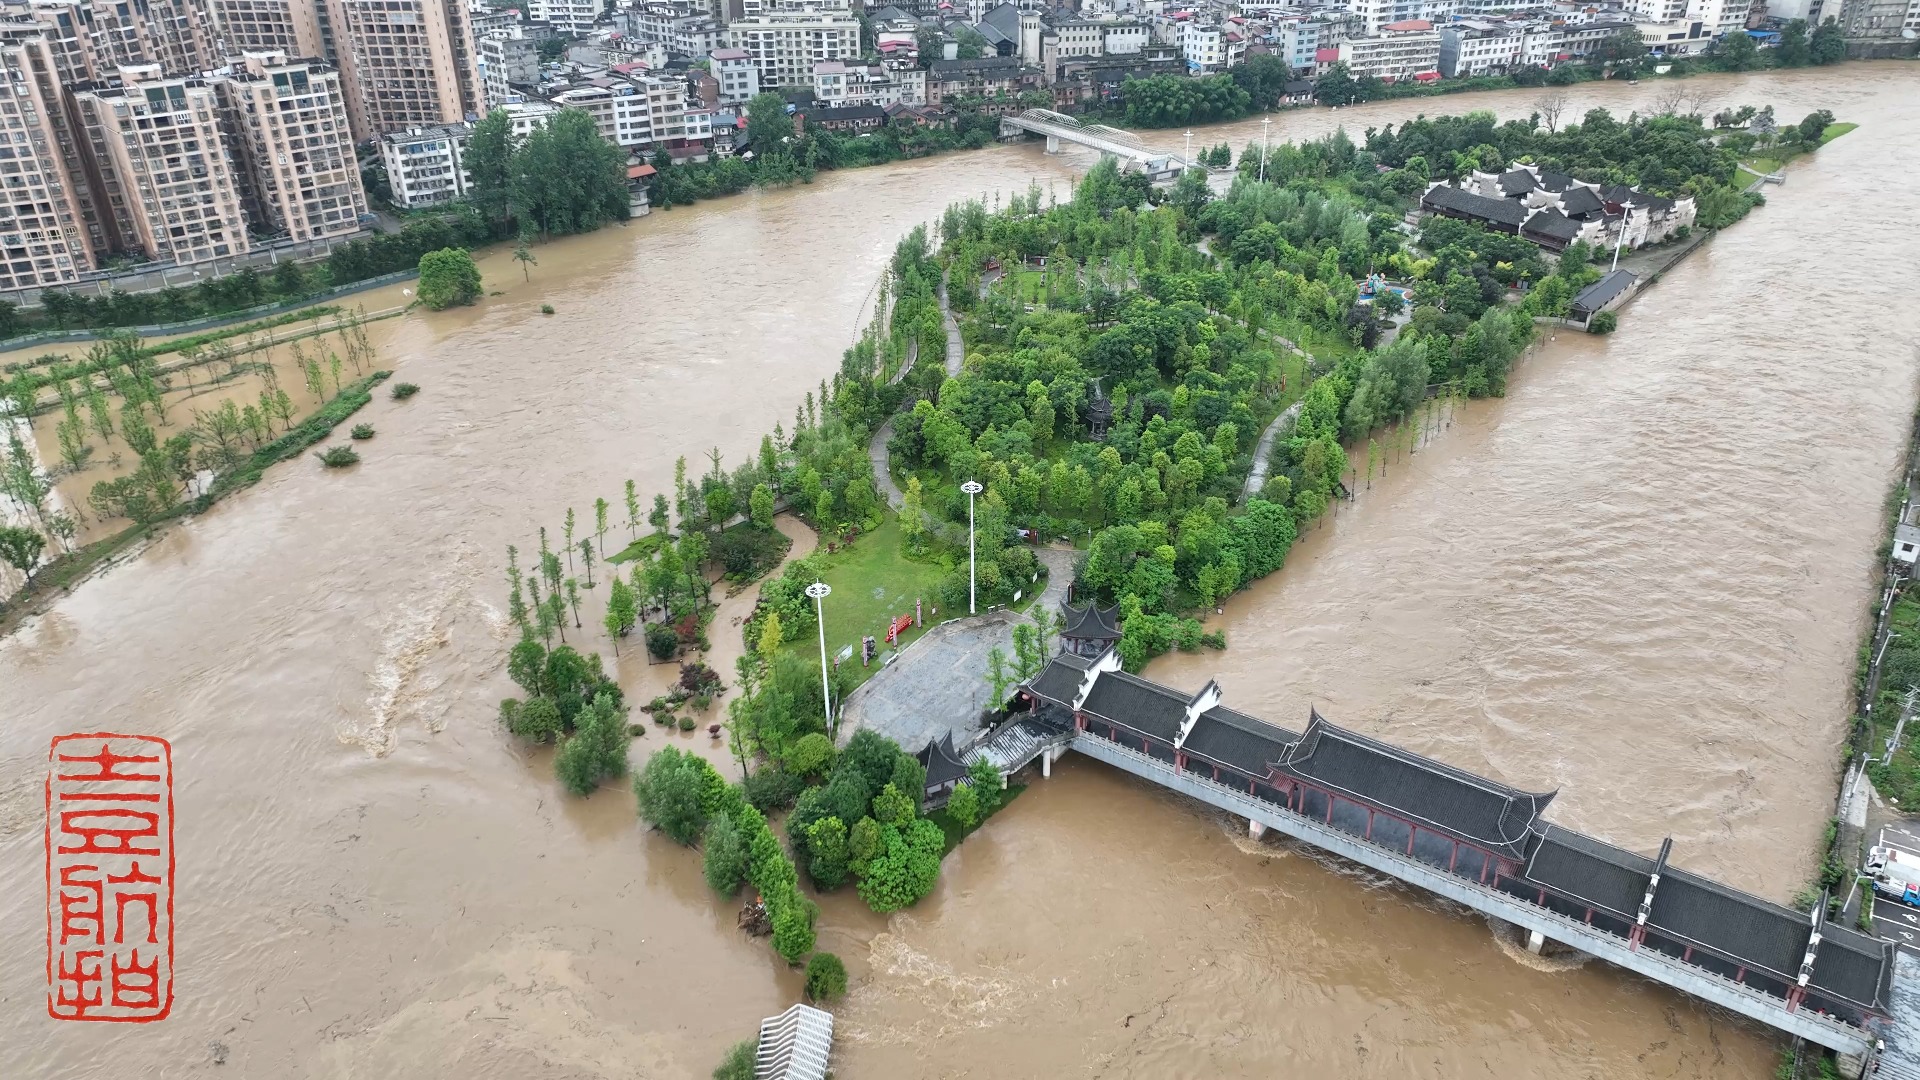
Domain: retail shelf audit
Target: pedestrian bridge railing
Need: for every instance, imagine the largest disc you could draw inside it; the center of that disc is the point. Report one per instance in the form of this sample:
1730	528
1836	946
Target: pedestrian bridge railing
1814	1026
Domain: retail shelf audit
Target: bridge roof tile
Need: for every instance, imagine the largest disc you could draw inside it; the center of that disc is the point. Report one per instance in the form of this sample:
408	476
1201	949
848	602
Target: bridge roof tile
1852	966
1151	709
1059	682
1739	926
1592	871
1238	741
1451	800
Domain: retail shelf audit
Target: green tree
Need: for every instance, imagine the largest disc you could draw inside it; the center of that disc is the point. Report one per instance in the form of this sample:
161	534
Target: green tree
1827	45
489	164
448	277
768	125
20	548
893	807
770	636
793	935
725	856
1336	86
826	977
565	178
985	777
1736	52
622	611
668	791
827	842
523	254
964	806
1793	50
597	750
1000	677
760	506
907	867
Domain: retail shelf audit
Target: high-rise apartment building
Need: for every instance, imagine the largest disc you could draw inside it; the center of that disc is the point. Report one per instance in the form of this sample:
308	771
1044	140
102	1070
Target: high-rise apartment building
43	235
786	38
567	16
406	63
288	120
172	194
285	26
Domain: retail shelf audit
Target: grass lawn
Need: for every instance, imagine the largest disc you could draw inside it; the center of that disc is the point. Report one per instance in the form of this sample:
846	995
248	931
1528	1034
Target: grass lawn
1029	286
1834	131
952	828
638	549
872	582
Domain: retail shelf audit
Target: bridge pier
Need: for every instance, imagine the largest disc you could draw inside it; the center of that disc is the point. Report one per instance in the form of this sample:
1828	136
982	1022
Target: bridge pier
1851	1066
1046	763
1255	829
1535	941
1053	144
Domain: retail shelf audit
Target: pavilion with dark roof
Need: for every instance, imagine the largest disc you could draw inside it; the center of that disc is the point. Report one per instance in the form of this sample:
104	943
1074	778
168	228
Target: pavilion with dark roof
1090	629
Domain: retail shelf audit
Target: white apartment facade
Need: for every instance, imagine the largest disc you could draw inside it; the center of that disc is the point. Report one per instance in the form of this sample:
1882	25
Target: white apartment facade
426	166
1468	51
572	17
786	38
1203	47
837	84
738	76
1371	17
638	111
1401	51
1124	38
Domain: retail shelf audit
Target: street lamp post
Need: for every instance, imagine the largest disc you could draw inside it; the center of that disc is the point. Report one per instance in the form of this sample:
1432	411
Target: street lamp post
819	590
1189	146
972	488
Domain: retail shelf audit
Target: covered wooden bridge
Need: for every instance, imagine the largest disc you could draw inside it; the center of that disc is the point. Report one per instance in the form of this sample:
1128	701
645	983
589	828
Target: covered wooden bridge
1483	844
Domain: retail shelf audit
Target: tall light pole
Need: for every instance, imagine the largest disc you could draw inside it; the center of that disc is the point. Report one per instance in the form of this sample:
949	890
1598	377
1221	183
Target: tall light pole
972	488
1189	146
1626	216
1266	145
819	590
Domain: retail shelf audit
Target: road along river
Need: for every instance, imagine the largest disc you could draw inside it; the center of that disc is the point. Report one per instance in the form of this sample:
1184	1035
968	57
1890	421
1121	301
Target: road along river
1640	578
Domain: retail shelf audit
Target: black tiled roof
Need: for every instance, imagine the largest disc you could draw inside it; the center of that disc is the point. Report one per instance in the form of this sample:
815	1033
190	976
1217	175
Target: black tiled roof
1554	181
1237	740
1601	292
942	764
1621	193
1851	966
1740	926
1551	222
1453	801
1092	622
1579	202
1517	182
1609	878
1059	682
1008	64
1448	197
1132	702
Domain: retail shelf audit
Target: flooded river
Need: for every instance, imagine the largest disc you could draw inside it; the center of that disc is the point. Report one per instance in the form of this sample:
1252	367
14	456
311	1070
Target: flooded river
1640	578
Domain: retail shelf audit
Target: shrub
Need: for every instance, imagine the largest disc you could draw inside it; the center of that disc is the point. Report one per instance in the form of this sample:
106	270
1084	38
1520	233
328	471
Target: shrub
661	640
546	309
403	391
597	750
826	977
772	789
1603	323
1215	640
738	1064
362	431
810	754
338	457
686	723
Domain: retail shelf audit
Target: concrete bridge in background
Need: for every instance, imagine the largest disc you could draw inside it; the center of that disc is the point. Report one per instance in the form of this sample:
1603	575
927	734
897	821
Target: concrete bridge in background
1059	127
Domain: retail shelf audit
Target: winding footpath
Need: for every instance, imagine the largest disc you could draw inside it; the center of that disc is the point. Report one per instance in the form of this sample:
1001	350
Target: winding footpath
1257	477
877	446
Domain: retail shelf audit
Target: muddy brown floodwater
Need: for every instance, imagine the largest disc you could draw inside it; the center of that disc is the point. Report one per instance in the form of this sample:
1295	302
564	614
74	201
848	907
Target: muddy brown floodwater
1639	578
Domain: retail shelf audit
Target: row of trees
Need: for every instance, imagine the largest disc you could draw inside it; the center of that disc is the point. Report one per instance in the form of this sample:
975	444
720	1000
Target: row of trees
558	179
